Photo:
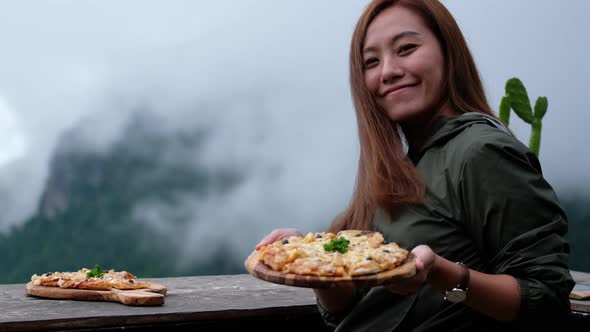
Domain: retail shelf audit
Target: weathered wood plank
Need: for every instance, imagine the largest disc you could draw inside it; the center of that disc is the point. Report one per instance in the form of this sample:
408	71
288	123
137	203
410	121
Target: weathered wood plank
189	299
581	277
230	301
581	306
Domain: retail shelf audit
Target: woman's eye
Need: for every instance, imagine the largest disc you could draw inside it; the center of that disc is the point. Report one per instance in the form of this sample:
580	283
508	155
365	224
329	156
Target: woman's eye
371	62
406	48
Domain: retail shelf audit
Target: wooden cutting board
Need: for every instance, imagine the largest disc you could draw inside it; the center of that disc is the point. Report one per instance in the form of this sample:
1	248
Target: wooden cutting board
261	271
154	295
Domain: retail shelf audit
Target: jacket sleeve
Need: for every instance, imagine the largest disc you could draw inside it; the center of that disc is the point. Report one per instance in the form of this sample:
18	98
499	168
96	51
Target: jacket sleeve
517	223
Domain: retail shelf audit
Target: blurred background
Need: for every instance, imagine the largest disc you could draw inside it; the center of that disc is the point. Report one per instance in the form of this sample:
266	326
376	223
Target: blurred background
168	137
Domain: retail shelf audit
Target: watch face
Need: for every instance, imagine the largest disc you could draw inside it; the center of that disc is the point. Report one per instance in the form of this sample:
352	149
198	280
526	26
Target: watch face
456	295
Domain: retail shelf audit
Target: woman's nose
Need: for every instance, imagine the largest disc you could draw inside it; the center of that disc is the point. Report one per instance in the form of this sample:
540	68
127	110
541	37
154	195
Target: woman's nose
391	71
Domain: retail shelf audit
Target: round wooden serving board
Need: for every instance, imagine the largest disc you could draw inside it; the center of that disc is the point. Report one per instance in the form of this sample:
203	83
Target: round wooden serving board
154	295
261	271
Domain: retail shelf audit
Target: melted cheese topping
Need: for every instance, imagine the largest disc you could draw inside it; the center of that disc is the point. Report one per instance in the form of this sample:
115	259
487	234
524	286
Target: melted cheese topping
79	279
306	255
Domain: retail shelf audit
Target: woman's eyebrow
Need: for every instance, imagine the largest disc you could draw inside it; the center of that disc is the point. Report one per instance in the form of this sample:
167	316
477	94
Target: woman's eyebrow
393	40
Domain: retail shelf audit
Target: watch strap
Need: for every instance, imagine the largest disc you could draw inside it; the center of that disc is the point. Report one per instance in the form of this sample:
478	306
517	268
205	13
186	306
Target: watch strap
464	280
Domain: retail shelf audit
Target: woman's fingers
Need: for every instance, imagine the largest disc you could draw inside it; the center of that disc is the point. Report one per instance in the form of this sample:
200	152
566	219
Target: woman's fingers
267	239
278	234
424	260
270	238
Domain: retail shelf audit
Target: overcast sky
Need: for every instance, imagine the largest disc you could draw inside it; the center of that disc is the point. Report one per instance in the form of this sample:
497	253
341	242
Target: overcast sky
273	66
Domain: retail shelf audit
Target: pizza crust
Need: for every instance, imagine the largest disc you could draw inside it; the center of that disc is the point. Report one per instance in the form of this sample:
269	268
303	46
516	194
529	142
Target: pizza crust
259	270
122	280
368	254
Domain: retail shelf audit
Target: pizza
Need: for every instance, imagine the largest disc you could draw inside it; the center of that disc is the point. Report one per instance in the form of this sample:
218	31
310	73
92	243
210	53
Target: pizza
349	253
93	279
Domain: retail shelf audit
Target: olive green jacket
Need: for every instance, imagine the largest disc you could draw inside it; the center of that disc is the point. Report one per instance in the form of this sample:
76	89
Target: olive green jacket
488	206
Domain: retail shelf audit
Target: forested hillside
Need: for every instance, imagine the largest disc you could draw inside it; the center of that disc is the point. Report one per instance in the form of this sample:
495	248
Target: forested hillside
87	214
577	208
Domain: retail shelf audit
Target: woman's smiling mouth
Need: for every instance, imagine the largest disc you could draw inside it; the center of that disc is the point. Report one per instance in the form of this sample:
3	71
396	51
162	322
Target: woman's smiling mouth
396	89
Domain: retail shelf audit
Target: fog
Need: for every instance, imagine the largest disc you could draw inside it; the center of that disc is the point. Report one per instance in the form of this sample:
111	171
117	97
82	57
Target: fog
272	78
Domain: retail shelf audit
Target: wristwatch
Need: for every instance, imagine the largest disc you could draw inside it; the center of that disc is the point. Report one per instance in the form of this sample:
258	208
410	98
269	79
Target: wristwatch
459	293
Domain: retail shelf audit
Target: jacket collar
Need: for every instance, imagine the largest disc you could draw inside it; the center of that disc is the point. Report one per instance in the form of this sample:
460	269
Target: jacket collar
446	127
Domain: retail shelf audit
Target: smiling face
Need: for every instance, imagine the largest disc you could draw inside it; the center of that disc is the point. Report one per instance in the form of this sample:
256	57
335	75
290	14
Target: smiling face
404	66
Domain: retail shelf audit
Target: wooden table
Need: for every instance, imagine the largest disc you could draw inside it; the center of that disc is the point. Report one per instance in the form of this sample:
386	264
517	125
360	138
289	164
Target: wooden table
577	305
219	303
223	303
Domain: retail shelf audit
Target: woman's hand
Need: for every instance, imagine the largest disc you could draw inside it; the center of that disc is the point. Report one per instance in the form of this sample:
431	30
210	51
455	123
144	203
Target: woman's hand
278	234
425	259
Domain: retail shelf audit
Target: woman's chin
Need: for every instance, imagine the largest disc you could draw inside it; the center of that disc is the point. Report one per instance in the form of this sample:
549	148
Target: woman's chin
403	115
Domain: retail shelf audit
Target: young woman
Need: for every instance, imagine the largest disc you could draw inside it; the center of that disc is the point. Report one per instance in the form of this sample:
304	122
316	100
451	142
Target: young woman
440	174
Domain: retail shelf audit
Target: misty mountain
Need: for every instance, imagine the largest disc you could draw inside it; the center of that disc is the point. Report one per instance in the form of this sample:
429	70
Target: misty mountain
89	213
136	201
577	208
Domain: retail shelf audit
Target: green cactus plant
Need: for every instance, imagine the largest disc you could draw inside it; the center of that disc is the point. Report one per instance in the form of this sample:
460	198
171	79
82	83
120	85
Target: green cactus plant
517	99
505	110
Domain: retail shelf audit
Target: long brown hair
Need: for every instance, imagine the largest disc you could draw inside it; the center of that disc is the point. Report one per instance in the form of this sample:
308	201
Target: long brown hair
386	178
